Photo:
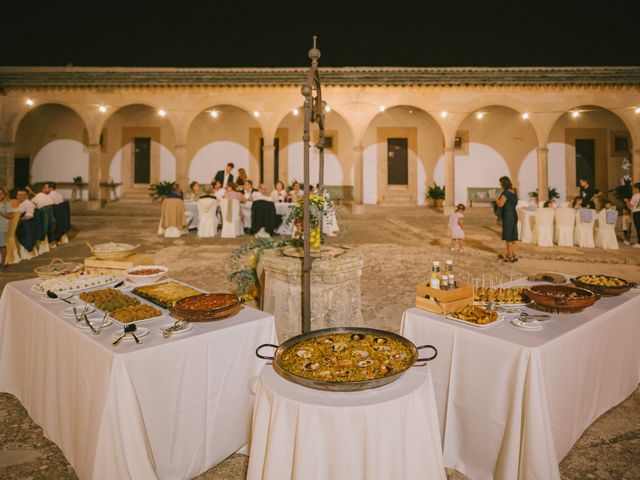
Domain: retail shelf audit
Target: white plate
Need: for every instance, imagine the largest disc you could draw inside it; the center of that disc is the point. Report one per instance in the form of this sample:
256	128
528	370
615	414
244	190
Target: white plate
188	328
146	320
68	312
45	299
529	325
96	322
71	292
487	325
140	332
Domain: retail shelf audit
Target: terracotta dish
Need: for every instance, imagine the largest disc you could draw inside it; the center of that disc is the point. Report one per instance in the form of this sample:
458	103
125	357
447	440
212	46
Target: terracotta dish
561	297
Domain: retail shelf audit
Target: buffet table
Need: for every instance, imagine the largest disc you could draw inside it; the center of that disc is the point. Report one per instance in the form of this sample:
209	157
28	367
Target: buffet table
169	408
512	402
389	432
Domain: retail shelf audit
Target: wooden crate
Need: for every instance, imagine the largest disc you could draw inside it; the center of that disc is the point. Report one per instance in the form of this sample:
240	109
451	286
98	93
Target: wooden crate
464	290
118	267
442	308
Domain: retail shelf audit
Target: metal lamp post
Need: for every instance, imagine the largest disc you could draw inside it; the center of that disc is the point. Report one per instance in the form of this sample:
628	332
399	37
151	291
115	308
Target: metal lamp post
314	109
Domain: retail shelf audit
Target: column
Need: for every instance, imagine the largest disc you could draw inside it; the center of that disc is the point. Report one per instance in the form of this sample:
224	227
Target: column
7	156
449	180
358	181
94	175
543	174
268	166
635	165
182	166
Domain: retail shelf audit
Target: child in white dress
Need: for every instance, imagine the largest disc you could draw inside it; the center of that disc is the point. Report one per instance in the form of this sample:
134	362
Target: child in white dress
456	231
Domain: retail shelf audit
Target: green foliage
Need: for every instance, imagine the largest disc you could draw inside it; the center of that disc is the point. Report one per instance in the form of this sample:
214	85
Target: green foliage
436	192
552	192
625	190
160	190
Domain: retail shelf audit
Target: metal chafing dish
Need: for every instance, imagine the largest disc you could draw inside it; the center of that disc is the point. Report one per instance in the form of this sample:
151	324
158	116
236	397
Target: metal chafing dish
344	386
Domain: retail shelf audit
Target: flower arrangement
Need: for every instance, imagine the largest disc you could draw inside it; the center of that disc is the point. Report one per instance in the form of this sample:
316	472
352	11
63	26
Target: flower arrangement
243	266
320	209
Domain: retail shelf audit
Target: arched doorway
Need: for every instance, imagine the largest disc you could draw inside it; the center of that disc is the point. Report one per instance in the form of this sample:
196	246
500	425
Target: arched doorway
401	147
137	150
223	134
51	145
491	142
593	142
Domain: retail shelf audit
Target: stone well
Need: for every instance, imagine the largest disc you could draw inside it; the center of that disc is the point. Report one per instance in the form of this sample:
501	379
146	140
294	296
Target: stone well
335	290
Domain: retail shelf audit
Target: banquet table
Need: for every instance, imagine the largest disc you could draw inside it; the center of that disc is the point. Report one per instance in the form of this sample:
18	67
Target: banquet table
512	402
169	408
390	432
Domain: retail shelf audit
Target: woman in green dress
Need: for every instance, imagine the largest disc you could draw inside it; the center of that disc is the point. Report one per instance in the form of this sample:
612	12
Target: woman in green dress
507	202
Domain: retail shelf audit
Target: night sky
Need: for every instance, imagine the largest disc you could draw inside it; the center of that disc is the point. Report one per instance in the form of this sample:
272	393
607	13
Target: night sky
267	34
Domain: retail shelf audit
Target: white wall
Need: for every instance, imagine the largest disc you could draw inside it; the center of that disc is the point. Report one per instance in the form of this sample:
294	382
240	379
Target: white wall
332	171
167	164
215	156
528	173
60	161
370	175
115	170
481	168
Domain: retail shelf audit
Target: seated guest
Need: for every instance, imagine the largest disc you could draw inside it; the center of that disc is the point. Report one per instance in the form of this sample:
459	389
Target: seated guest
44	203
548	204
194	191
43	199
225	176
261	194
231	192
576	203
248	191
25	206
5	215
242	177
177	192
296	192
218	191
208	191
279	194
53	194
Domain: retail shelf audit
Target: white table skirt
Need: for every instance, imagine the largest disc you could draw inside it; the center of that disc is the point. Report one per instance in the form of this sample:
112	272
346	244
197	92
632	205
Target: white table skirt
526	228
380	434
191	207
511	402
165	409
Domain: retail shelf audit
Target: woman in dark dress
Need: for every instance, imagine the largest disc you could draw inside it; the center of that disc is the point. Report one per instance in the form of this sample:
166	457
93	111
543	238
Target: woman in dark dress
507	202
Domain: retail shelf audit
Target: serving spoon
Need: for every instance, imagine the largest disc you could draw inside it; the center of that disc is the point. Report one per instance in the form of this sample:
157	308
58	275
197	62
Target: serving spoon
52	294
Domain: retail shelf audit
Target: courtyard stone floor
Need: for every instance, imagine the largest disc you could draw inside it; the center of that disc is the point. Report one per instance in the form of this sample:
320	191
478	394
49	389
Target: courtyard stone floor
398	246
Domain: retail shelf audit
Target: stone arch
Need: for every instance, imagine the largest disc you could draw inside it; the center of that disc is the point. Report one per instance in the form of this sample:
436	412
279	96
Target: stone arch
54	138
233	136
425	143
21	115
602	126
117	133
338	158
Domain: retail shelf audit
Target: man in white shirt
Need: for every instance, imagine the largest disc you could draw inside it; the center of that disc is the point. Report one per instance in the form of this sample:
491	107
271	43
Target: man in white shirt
25	206
42	199
53	194
261	194
248	191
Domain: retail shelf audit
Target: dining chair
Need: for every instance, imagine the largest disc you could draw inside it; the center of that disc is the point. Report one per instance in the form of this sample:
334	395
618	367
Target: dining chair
565	222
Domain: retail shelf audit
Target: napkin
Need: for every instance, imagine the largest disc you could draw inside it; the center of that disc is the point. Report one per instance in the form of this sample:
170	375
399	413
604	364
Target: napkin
586	215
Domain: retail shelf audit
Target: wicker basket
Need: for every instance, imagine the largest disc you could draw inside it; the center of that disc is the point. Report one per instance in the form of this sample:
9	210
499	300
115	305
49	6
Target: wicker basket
57	267
123	251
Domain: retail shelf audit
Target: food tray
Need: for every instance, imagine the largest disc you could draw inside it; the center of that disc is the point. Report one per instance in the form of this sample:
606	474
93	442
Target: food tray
586	297
152	299
34	288
192	315
603	290
342	386
477	325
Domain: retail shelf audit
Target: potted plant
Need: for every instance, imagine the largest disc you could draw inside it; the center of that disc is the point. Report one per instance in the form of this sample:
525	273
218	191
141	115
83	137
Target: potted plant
624	190
552	192
159	191
436	193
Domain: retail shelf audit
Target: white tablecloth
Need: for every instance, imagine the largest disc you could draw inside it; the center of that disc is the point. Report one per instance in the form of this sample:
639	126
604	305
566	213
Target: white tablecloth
528	216
380	434
513	402
165	409
191	208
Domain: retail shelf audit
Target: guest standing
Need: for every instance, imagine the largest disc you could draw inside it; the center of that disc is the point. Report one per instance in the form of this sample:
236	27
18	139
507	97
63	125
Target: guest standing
588	193
507	202
5	215
242	177
634	206
456	231
224	176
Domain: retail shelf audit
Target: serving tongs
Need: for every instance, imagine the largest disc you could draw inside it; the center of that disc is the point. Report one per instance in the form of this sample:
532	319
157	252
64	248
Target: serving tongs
131	328
176	327
83	317
52	294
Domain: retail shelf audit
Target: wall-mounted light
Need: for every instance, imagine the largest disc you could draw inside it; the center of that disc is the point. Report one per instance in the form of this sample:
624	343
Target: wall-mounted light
637	110
479	115
213	113
102	109
162	112
29	101
444	114
256	113
295	111
327	108
575	114
525	116
382	108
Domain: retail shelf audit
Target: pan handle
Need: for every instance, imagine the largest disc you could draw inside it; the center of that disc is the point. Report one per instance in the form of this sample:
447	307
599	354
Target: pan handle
428	359
261	347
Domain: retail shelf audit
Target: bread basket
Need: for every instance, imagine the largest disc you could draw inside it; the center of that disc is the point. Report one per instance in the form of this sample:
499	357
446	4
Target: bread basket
57	267
111	250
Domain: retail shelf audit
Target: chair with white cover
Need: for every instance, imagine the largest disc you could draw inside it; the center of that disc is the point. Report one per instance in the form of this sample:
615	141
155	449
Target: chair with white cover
565	221
543	227
583	235
524	231
207	219
172	219
231	221
606	232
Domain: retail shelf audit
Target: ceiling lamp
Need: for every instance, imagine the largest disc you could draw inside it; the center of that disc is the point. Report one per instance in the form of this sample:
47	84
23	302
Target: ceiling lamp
213	113
295	111
382	108
256	113
637	110
102	109
29	101
479	115
444	114
525	116
575	114
162	112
